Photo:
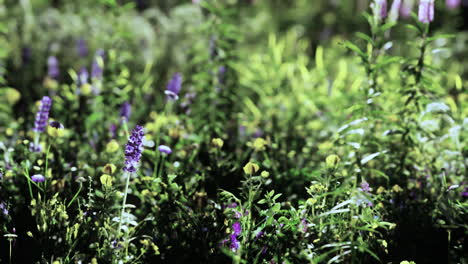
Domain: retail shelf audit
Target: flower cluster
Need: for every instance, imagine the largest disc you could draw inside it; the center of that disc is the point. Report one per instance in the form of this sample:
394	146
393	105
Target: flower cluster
133	150
42	115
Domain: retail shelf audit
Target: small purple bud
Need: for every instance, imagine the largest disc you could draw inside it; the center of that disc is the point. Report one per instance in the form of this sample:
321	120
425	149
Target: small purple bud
81	48
125	111
53	67
406	8
365	187
56	124
38	178
97	66
452	4
381	8
165	149
426	11
174	86
83	76
395	10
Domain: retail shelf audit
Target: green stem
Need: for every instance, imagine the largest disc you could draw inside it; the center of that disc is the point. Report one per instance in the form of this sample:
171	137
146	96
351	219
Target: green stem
128	174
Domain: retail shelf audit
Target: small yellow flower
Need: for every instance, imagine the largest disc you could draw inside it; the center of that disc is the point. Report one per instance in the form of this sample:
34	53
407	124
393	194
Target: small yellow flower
12	96
55	131
396	188
265	174
380	190
251	168
50	83
259	144
9	131
332	161
112	146
217	142
109	168
86	89
106	180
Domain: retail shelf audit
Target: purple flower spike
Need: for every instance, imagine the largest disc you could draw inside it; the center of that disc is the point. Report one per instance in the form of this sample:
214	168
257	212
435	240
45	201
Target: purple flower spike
42	115
38	178
395	10
237	228
426	11
97	66
452	4
83	76
125	111
174	86
133	150
382	8
53	67
406	8
81	48
165	149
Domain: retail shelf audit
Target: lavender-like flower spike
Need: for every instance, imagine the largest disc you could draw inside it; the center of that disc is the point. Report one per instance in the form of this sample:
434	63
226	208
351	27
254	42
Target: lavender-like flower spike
42	115
98	64
53	67
452	4
426	11
83	76
82	47
133	150
406	8
380	8
125	110
174	86
395	10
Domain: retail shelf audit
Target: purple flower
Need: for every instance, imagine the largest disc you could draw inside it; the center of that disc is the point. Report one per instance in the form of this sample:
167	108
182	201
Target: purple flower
236	227
133	150
426	11
26	54
34	148
125	111
365	187
452	4
113	130
53	67
164	149
174	86
235	244
56	124
97	66
3	208
381	8
42	115
81	47
395	10
83	76
38	178
406	7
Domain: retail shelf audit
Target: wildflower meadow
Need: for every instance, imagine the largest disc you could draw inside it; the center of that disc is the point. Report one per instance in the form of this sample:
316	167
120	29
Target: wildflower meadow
233	131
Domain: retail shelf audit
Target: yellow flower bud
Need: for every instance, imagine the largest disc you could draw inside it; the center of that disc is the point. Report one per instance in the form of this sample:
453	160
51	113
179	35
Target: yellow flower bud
106	180
86	89
12	96
259	144
109	168
396	188
112	146
217	142
332	161
251	168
